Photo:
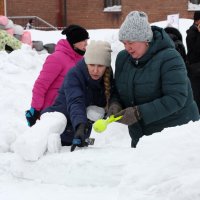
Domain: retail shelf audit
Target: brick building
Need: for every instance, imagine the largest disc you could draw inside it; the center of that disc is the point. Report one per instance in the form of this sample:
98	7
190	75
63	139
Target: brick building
94	13
2	7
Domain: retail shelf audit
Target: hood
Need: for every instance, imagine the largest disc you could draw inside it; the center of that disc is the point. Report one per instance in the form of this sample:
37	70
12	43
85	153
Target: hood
64	47
161	41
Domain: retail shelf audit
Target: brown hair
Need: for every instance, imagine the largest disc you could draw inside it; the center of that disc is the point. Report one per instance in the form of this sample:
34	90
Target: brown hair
107	85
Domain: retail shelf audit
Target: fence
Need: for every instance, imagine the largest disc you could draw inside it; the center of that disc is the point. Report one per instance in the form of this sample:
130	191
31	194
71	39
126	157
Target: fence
39	23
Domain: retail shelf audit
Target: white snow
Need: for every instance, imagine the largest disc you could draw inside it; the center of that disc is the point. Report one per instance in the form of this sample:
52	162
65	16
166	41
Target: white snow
192	6
164	166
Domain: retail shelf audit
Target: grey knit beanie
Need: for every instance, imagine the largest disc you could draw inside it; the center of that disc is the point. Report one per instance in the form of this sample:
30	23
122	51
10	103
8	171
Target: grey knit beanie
136	28
99	53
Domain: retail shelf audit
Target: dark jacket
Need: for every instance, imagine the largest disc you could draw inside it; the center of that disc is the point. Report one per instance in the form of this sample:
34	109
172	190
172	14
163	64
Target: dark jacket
193	44
77	92
158	84
176	36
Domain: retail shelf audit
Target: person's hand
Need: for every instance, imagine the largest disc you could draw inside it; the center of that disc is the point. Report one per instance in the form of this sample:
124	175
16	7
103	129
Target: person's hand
31	116
79	137
114	108
129	115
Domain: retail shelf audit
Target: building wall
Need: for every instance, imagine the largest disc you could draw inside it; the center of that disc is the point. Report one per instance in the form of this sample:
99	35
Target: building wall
89	13
1	7
47	10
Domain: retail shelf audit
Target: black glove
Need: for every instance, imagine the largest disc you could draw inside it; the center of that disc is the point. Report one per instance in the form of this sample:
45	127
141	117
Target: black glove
79	137
129	115
114	108
31	116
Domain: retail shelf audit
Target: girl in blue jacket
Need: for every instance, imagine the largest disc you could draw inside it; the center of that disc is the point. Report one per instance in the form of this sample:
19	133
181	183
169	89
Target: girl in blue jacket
82	99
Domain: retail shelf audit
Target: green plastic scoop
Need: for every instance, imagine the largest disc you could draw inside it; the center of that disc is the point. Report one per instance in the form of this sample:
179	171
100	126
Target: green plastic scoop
101	124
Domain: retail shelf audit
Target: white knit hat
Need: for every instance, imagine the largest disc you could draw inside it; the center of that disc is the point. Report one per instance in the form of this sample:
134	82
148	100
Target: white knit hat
18	29
136	28
9	24
99	53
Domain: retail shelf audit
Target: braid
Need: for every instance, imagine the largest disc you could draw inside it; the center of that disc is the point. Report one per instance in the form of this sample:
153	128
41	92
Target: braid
107	86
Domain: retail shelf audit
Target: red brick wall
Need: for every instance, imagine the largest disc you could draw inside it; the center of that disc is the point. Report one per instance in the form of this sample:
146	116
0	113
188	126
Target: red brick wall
2	7
45	9
89	13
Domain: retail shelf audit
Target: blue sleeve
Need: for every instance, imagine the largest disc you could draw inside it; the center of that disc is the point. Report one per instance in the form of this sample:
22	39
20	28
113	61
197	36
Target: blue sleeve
75	98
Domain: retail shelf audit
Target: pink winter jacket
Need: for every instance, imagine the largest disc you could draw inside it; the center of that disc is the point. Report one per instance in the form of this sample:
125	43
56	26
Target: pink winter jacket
52	74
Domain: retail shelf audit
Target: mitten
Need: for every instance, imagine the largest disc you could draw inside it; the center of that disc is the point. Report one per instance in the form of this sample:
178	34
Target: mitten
129	115
79	137
114	108
31	116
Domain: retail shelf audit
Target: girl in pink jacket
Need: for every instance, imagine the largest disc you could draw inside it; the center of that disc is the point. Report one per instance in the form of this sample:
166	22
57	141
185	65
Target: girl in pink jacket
67	53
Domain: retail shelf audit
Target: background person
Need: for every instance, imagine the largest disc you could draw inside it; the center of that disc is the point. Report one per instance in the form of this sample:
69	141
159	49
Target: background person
177	38
193	56
153	91
29	25
67	53
82	98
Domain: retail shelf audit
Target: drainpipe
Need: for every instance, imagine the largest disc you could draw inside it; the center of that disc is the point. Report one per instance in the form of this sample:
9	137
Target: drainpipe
59	14
65	13
5	7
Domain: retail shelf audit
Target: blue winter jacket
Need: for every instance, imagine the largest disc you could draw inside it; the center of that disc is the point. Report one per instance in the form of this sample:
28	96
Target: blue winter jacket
77	92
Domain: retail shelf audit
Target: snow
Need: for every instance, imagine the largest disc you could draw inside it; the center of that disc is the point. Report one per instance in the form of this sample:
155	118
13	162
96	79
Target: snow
193	6
113	9
164	166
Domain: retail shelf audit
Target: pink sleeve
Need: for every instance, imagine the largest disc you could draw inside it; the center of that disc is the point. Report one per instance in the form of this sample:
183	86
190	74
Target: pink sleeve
50	71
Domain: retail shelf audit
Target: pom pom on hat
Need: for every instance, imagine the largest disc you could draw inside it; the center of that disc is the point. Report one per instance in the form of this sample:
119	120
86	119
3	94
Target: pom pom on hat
75	33
136	28
99	53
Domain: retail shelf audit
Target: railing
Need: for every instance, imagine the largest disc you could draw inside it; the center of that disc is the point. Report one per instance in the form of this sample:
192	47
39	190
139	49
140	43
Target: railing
39	23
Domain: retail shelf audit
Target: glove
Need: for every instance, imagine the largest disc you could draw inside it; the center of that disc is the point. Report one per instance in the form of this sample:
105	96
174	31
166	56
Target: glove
129	115
114	108
79	137
31	116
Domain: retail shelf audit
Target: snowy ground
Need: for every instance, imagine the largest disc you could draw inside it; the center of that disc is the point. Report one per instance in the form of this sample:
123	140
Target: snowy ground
165	166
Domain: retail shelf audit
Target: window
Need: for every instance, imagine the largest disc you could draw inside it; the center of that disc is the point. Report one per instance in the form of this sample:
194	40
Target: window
193	5
112	5
195	1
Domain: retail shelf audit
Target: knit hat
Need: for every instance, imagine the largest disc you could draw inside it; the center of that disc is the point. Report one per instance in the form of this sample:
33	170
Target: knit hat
75	33
18	29
99	53
9	24
136	28
196	15
3	20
